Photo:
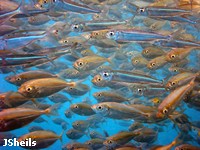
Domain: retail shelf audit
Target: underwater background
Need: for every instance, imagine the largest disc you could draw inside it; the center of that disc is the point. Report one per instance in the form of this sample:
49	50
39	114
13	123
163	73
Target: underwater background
167	131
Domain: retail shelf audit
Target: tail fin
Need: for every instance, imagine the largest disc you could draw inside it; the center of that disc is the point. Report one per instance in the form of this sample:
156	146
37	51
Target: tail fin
60	137
52	110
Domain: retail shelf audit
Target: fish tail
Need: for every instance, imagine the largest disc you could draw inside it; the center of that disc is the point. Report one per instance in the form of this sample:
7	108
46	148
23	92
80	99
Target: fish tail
110	61
52	110
177	140
20	8
60	136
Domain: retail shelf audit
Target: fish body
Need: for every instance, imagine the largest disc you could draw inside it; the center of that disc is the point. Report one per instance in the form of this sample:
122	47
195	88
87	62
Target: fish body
134	35
43	138
170	103
17	42
21	78
88	63
175	43
14	118
119	139
68	5
42	87
126	76
82	109
12	99
96	25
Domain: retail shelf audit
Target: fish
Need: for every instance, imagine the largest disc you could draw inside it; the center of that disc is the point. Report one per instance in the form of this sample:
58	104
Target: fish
79	90
88	63
176	55
131	35
6	135
13	99
82	109
18	42
126	76
75	145
145	135
69	5
117	110
71	73
19	117
175	43
186	146
95	143
38	20
106	96
119	139
147	90
169	104
59	98
135	126
42	138
35	128
139	62
5	29
151	11
168	146
68	113
157	63
74	134
7	15
152	52
179	80
21	78
43	87
96	25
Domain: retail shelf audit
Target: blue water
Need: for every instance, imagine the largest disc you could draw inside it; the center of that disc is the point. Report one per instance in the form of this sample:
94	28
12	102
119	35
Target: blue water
111	126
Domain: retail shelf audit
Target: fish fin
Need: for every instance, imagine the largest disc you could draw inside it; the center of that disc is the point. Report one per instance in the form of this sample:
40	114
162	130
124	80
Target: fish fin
175	33
53	109
60	137
20	8
105	133
7	99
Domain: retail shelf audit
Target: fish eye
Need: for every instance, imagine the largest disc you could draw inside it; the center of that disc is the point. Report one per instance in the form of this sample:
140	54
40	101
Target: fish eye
45	1
95	33
146	51
165	111
28	89
173	56
97	16
76	106
75	26
18	79
99	107
99	94
173	83
175	70
99	79
110	142
153	64
65	41
139	90
111	33
54	1
80	63
142	10
136	61
41	6
77	124
89	143
105	74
